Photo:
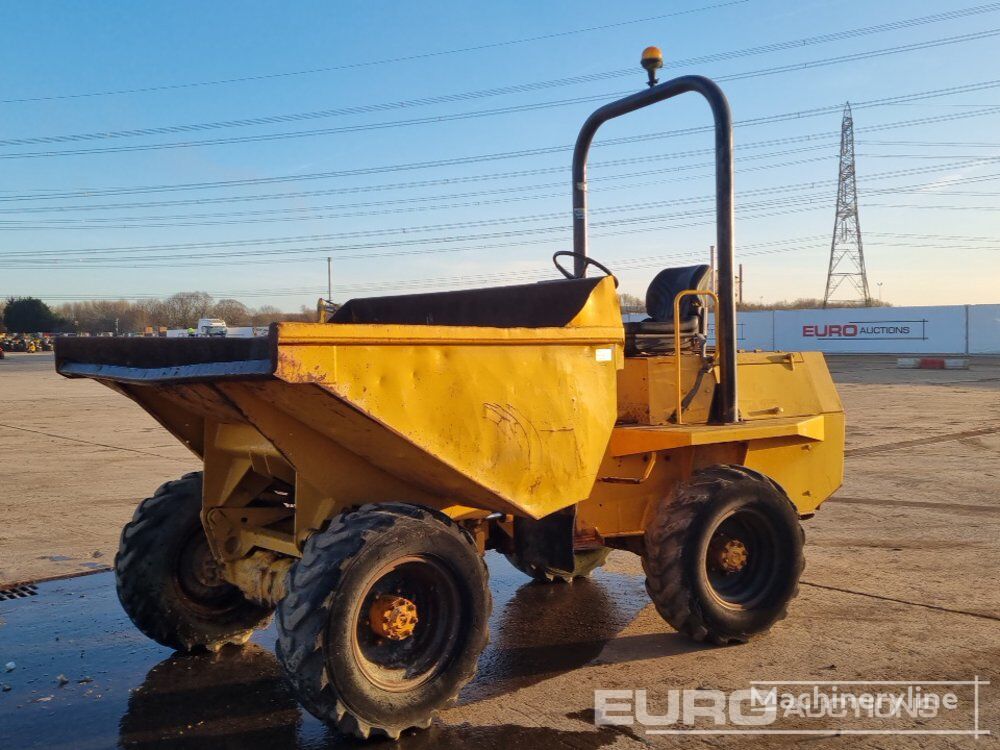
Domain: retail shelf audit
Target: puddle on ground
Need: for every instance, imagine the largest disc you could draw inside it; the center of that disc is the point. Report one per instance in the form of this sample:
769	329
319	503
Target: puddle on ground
122	690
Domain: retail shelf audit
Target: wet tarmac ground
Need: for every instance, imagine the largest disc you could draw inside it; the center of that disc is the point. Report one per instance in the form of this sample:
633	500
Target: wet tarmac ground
85	678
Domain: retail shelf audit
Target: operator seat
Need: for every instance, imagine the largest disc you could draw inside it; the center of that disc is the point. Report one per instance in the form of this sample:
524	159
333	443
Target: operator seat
655	334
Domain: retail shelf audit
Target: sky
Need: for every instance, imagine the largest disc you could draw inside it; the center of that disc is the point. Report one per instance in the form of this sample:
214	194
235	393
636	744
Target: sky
231	147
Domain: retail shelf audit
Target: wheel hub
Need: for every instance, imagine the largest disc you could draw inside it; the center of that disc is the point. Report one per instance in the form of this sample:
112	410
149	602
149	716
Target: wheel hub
729	555
206	570
198	573
393	617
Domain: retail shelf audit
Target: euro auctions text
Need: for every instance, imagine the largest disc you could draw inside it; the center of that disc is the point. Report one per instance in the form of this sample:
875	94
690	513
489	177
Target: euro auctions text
801	707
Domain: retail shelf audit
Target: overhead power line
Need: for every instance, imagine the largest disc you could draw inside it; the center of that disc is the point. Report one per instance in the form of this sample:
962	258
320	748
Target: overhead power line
499	156
402	205
475	114
528	87
414	204
76	224
458	243
926	169
382	61
464	279
503	276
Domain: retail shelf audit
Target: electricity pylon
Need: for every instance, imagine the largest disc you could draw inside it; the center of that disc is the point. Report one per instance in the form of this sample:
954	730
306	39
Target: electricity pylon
847	257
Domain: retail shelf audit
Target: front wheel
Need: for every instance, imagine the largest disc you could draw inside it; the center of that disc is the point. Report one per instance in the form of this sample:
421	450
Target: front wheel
384	619
724	555
169	583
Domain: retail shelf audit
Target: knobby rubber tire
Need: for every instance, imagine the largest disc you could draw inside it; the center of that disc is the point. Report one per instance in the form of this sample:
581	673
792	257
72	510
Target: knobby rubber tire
315	644
675	560
146	576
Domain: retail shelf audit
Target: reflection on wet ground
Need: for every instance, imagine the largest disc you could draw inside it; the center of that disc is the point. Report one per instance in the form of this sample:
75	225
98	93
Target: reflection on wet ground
121	690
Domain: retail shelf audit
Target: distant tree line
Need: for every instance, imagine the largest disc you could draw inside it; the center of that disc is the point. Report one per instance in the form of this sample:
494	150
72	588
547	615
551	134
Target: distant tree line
182	310
630	303
806	303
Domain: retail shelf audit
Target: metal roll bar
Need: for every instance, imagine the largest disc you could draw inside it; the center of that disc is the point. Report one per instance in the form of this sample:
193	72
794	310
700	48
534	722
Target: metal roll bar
725	333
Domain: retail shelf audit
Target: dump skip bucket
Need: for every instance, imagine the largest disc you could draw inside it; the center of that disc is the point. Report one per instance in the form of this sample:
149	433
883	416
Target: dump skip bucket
514	419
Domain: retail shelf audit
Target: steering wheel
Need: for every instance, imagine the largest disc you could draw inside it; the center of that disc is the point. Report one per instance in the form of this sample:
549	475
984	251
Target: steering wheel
587	261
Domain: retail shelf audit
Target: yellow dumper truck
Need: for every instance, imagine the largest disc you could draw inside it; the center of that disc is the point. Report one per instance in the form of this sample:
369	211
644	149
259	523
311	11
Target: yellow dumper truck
357	470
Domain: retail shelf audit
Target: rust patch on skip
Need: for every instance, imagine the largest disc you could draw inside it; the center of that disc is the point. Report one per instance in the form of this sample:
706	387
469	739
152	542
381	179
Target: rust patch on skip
290	364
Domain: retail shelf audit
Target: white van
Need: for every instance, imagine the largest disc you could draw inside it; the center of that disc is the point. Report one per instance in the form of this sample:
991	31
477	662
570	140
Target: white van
212	327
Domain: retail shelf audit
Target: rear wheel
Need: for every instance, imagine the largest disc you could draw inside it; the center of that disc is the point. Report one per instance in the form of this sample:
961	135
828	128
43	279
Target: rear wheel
724	555
384	619
585	562
168	581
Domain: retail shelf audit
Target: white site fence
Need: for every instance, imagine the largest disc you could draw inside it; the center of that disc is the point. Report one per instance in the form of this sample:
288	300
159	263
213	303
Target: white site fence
950	329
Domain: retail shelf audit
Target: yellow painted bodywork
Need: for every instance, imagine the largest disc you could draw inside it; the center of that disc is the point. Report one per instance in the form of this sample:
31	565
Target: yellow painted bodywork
474	420
508	419
792	431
